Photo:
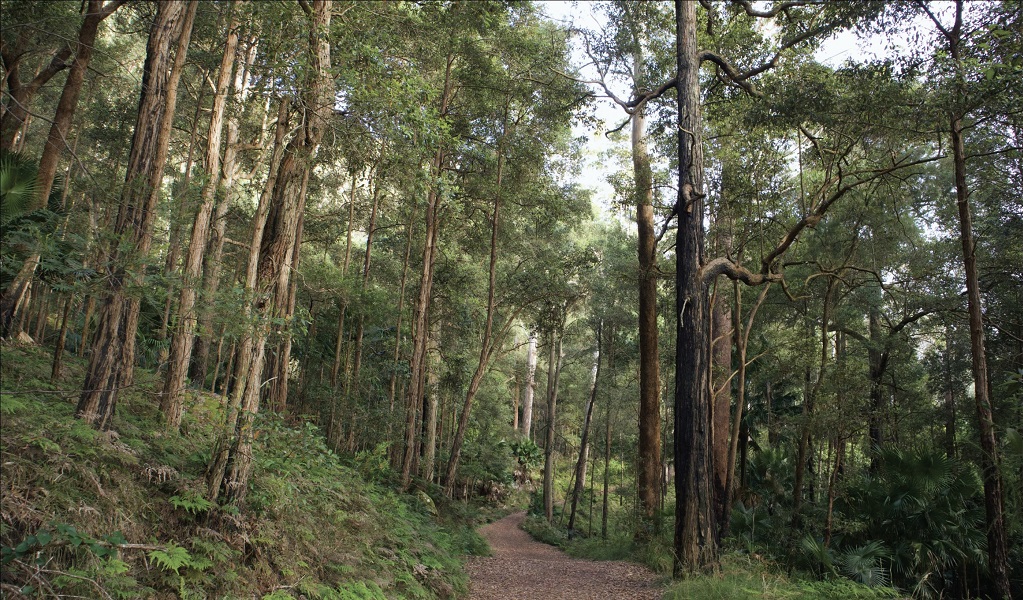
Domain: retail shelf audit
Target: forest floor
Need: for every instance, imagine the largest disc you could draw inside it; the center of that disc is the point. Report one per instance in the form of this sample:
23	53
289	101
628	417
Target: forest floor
522	568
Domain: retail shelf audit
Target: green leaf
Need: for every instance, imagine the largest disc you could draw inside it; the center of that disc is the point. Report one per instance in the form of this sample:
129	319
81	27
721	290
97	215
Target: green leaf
99	550
116	538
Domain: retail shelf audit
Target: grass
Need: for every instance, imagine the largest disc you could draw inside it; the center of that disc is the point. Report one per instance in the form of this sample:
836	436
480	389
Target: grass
741	576
124	515
746	577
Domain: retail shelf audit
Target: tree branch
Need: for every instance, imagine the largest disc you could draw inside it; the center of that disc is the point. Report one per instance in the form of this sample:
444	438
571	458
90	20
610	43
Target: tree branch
773	12
742	79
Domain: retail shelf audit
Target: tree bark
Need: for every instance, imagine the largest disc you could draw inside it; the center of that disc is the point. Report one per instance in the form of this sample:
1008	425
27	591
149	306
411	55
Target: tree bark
695	523
721	377
998	556
229	472
56	141
16	112
213	258
584	442
420	331
553	375
172	399
739	432
648	476
112	361
393	384
607	472
527	399
490	341
430	418
809	404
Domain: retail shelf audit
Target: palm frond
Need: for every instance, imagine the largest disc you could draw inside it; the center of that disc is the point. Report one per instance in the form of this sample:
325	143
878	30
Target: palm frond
865	564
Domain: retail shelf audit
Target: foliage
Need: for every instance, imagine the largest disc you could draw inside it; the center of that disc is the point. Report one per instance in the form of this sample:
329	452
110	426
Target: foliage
313	523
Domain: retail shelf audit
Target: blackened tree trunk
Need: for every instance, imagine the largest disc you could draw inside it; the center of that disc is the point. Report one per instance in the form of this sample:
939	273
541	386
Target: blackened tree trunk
695	523
113	355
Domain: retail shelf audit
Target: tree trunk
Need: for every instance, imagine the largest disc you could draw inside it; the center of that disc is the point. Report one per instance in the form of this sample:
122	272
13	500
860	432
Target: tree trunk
997	544
430	417
229	472
58	349
739	431
112	361
393	384
527	399
335	370
213	258
721	378
179	201
490	341
607	473
172	399
16	113
553	375
57	138
580	467
809	402
648	476
877	359
276	393
950	403
695	523
420	331
360	330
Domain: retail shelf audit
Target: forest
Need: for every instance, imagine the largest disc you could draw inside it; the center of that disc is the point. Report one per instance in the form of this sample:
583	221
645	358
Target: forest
296	294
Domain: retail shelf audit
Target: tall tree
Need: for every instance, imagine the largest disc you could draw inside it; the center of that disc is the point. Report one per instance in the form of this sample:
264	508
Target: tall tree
96	11
956	39
171	401
113	359
229	471
634	27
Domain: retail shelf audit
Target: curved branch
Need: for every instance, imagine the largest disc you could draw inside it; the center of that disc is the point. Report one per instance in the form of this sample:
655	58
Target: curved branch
725	266
773	11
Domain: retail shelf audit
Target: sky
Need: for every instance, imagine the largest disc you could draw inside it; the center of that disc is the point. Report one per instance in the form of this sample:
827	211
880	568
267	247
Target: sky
597	167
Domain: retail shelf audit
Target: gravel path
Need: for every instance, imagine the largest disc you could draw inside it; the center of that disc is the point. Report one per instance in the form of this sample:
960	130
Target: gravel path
524	569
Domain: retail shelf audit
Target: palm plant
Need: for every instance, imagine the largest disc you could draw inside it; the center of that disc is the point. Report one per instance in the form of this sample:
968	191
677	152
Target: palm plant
922	513
18	188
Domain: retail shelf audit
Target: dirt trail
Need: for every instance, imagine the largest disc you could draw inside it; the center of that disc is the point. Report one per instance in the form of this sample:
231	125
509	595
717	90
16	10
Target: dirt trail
524	569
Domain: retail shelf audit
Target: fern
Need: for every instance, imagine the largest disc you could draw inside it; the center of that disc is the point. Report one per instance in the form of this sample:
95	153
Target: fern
191	503
172	559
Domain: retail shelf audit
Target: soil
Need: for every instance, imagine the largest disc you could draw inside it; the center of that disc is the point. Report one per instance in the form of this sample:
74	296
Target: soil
524	569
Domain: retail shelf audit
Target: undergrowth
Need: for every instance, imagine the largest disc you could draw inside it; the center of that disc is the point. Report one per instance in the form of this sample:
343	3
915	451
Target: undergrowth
124	515
742	575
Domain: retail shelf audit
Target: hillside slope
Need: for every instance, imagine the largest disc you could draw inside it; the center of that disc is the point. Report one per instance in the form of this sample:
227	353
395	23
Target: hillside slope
123	514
